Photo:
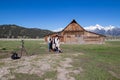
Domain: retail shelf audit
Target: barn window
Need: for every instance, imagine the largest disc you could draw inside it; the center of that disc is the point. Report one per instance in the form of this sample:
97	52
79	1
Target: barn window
68	37
77	35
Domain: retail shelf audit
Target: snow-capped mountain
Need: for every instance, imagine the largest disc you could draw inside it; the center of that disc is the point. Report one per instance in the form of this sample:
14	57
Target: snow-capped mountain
97	26
105	30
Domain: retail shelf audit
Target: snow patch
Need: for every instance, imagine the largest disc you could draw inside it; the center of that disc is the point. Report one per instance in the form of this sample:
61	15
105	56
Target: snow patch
99	27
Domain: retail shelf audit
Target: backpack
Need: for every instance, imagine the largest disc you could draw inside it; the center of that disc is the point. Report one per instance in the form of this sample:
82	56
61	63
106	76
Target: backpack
15	56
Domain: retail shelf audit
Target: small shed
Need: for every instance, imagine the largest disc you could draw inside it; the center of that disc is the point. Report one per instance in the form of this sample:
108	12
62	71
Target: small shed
74	33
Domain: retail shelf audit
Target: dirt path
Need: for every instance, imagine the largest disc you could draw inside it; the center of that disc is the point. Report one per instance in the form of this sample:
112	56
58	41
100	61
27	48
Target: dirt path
38	65
63	72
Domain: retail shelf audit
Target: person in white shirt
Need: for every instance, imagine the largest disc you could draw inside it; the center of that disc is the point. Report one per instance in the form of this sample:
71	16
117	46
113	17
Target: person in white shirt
58	45
53	44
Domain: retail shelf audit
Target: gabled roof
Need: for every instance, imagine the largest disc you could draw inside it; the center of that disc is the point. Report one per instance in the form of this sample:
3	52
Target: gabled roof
73	26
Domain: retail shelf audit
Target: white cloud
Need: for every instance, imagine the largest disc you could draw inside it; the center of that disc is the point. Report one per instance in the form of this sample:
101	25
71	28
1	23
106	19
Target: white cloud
59	29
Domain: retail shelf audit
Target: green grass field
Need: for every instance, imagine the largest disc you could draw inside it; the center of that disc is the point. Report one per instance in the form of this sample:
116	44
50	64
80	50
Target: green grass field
98	62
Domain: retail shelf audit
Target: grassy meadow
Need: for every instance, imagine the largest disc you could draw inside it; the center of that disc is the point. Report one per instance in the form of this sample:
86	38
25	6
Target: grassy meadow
77	62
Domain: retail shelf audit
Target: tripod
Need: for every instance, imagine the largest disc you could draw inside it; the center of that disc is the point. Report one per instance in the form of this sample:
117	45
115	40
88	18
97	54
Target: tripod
15	55
22	48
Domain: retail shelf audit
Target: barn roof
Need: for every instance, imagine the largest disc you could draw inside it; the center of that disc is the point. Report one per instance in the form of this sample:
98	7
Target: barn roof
77	28
73	26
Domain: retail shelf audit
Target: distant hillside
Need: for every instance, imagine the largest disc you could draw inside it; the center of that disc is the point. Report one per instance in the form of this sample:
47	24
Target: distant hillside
15	31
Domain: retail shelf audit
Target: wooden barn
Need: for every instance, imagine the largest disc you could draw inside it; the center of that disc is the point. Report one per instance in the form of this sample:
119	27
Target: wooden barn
74	33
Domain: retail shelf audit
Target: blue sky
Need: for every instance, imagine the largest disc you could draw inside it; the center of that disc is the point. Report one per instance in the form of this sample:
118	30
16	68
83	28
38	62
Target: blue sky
54	14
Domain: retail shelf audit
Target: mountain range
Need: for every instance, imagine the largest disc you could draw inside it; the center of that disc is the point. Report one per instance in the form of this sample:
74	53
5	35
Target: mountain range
15	31
107	30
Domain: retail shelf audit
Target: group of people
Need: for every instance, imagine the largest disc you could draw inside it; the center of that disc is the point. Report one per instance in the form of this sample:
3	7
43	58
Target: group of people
54	44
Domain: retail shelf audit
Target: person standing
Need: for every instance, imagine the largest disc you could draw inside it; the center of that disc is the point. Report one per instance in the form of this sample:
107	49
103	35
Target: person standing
49	43
58	45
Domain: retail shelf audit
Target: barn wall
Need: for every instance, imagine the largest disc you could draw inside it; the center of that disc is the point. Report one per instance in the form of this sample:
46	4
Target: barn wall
79	38
92	38
90	34
72	37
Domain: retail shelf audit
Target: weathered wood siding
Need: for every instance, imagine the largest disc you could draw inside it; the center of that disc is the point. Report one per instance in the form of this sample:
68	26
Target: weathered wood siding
73	27
93	38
